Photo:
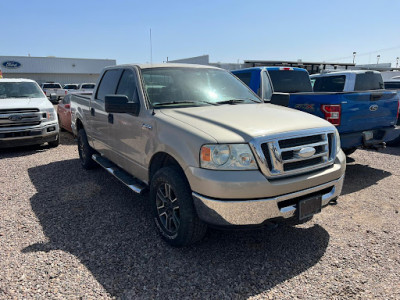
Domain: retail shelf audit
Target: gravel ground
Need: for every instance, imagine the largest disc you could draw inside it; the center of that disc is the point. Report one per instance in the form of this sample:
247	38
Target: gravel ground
69	233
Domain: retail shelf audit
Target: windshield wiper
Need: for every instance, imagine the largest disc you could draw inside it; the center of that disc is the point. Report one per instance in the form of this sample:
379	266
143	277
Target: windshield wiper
182	102
235	101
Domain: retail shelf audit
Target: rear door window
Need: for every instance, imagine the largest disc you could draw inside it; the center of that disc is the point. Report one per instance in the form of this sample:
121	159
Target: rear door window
329	83
368	81
108	84
290	81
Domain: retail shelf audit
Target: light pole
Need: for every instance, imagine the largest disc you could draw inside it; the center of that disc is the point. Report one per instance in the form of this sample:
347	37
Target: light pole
354	56
377	59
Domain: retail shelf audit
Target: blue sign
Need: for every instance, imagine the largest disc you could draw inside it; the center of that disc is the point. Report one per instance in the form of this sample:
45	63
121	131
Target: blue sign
11	64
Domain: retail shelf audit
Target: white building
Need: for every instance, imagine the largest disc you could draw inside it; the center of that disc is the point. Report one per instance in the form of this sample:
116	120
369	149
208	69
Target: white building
55	69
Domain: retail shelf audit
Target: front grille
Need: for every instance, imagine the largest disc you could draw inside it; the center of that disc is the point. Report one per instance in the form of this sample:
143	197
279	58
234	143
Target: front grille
296	153
18	124
18	110
18	117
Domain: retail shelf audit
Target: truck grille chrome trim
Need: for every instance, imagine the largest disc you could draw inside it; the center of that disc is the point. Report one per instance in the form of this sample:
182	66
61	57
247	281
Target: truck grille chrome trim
295	152
20	117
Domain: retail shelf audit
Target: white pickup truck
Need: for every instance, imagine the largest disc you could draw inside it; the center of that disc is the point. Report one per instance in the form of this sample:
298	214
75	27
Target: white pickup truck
26	115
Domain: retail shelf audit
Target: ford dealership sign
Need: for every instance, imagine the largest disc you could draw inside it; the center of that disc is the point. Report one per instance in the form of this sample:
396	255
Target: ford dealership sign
11	64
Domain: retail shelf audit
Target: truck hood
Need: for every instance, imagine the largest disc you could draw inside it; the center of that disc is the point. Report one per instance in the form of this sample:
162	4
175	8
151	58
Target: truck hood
39	103
242	123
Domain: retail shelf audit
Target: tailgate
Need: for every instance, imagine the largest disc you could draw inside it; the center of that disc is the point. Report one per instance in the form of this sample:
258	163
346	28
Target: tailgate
368	110
359	111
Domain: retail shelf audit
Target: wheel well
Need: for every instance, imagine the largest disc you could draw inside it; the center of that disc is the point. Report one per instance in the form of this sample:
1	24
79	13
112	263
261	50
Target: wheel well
161	160
79	124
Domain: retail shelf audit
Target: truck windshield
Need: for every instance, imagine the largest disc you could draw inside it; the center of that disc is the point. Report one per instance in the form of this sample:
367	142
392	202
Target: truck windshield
329	83
20	90
368	81
51	86
289	81
71	87
195	86
88	86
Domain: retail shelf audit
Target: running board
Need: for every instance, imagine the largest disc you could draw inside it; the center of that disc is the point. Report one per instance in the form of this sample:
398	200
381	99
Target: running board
131	182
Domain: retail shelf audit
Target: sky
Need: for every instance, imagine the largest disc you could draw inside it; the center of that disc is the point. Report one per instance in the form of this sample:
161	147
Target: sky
229	31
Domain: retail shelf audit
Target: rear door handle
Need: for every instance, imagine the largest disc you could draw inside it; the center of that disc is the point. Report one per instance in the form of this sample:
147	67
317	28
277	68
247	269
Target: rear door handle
111	118
92	111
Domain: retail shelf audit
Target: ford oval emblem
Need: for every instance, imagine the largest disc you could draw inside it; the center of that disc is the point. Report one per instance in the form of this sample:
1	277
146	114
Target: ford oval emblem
306	152
11	64
373	107
15	118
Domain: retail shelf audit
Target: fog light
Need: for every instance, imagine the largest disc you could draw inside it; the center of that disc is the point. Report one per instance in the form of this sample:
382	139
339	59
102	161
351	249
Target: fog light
50	129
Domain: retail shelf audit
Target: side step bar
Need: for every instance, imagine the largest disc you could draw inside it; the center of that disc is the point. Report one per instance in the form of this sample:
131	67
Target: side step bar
131	182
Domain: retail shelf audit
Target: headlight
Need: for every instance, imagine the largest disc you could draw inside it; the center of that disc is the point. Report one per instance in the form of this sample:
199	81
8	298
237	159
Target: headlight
49	115
227	157
337	136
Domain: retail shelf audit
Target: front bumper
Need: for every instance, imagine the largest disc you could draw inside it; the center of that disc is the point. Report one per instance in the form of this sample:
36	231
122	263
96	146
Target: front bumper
24	136
255	212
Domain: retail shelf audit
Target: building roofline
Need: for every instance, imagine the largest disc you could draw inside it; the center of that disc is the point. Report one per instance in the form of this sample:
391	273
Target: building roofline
57	57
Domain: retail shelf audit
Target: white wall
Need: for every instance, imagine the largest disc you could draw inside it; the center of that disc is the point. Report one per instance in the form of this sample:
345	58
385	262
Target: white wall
60	78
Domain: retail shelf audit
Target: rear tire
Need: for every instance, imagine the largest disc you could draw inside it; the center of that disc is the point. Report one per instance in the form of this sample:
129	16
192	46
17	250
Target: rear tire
173	209
85	151
59	124
349	151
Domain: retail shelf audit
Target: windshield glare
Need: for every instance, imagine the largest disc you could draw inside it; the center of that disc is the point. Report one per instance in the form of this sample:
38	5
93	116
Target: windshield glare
20	90
199	85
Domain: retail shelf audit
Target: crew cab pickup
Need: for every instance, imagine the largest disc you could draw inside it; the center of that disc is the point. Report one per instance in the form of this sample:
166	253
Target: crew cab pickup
26	115
208	149
363	112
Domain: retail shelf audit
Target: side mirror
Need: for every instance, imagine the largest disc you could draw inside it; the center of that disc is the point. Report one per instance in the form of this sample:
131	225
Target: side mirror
120	104
280	99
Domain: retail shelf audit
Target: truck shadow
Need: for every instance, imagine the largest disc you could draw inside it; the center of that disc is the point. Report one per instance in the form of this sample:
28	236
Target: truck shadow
359	177
66	138
109	229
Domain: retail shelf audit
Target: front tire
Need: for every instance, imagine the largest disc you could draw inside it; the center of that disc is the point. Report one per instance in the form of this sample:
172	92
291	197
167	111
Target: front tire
85	151
55	143
173	210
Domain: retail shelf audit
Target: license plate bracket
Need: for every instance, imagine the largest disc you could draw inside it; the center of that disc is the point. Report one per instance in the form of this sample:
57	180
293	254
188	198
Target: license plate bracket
368	135
309	206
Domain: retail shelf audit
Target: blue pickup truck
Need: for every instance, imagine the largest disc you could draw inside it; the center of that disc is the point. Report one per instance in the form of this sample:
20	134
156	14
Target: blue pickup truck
365	117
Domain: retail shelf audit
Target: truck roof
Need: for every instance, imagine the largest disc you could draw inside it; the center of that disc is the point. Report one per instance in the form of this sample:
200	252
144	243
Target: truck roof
167	65
273	68
16	80
336	73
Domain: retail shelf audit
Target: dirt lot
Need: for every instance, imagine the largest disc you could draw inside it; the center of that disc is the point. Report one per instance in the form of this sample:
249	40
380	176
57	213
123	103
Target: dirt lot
70	233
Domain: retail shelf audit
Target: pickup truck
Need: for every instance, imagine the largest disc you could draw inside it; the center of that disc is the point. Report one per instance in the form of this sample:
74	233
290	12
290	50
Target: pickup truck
354	101
86	87
26	115
50	88
207	148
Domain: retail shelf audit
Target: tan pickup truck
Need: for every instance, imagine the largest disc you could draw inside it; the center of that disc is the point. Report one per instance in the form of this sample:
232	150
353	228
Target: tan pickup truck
208	149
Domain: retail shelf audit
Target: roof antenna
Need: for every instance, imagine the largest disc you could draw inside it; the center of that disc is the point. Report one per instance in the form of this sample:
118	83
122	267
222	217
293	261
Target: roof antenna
151	49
